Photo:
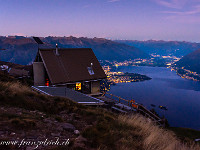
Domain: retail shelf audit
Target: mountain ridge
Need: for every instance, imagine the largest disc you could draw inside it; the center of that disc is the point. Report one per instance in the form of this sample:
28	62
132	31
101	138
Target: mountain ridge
22	50
161	47
190	61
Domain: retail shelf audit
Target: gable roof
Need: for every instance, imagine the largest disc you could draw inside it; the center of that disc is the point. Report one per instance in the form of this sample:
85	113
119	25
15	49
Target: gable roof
71	65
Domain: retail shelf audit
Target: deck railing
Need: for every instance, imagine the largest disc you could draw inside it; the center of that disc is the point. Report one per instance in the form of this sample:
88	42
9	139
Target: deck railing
140	108
118	99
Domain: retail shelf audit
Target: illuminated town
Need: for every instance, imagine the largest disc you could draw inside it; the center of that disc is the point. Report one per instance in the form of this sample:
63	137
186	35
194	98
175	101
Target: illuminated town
187	74
154	61
120	77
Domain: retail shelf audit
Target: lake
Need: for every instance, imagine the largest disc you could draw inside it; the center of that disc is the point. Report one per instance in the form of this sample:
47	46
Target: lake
166	88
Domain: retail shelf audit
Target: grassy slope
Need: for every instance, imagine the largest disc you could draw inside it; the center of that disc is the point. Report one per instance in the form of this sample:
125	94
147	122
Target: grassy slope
186	134
24	111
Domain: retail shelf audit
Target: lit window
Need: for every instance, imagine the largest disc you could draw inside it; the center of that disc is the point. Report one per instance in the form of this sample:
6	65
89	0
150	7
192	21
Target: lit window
78	86
90	70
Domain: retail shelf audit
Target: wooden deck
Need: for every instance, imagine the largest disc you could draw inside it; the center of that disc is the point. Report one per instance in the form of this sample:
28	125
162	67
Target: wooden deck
68	93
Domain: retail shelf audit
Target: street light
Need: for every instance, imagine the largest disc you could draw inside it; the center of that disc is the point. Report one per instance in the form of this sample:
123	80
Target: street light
164	108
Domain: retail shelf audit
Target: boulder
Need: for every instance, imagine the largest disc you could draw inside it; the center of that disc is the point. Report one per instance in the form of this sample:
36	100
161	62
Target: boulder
77	132
68	127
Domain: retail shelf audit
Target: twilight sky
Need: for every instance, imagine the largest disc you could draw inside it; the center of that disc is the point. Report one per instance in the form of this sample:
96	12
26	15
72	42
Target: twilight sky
115	19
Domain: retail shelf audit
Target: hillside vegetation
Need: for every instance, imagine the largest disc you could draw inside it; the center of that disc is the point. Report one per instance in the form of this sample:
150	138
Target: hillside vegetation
26	114
190	61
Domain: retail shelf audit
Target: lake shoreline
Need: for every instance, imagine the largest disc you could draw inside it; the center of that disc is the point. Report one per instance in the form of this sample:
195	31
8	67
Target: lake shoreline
165	88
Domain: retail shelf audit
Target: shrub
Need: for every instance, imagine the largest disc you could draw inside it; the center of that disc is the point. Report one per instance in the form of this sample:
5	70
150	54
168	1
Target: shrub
23	123
59	119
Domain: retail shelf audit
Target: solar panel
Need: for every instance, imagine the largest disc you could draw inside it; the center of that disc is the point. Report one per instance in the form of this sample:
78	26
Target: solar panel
37	39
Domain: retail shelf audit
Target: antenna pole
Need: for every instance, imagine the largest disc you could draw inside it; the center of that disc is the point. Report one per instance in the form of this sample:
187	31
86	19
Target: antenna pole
38	53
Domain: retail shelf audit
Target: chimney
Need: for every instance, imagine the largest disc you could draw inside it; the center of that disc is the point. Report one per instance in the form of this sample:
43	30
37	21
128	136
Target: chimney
91	65
57	53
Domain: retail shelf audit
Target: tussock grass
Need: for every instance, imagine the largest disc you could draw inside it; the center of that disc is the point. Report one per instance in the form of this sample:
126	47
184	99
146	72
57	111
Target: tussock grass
105	130
186	134
154	137
18	95
15	88
109	133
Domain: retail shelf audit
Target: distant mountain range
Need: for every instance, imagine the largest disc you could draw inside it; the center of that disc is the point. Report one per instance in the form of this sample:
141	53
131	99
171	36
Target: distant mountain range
190	61
22	50
174	48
